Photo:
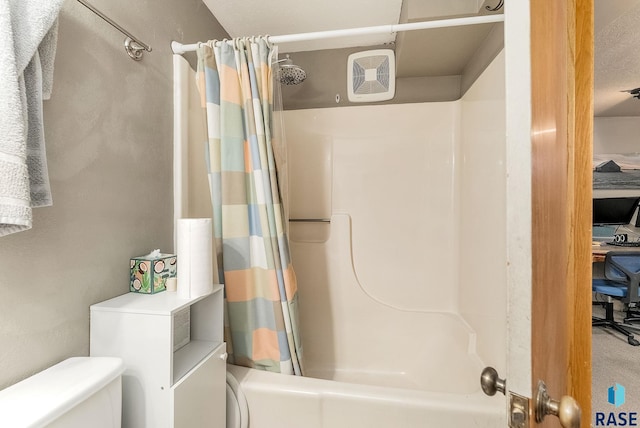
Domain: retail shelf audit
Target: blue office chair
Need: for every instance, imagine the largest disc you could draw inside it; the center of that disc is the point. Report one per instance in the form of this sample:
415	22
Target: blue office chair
622	273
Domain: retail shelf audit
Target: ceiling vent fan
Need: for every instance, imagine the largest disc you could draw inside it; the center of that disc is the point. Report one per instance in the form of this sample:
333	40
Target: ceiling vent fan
371	76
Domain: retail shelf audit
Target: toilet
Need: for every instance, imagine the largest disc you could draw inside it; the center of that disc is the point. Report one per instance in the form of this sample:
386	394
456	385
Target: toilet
79	392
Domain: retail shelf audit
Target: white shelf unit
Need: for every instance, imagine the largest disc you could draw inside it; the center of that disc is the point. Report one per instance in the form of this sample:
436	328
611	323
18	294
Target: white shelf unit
162	387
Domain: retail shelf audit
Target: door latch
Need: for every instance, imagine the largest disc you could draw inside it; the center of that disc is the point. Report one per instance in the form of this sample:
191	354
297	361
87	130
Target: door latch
518	405
567	409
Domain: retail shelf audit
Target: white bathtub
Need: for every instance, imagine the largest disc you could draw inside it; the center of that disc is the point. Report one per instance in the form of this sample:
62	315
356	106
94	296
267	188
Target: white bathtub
368	363
281	401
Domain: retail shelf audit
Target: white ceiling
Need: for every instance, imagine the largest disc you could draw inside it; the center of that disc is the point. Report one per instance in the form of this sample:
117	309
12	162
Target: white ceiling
617	60
281	17
617	37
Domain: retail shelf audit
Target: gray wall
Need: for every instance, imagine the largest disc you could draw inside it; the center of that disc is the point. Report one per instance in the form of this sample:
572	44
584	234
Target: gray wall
109	136
327	77
616	134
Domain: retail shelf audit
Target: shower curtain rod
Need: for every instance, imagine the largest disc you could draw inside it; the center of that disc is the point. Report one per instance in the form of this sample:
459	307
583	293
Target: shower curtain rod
179	48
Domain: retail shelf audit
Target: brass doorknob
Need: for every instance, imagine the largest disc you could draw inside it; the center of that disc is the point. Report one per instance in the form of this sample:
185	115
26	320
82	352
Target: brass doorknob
567	409
491	382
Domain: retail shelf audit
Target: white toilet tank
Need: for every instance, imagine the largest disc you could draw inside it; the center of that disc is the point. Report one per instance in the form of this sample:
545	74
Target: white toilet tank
79	392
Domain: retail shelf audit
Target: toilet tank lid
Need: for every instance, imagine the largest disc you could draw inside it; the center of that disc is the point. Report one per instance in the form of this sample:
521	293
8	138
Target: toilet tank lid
45	396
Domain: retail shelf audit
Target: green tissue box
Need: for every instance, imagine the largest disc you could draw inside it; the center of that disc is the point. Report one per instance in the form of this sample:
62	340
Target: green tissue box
149	273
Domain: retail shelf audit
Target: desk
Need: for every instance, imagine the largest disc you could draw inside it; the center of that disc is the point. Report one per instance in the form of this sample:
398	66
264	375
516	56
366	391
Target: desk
599	252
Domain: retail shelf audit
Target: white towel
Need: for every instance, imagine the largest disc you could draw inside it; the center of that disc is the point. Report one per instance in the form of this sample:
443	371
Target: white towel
28	34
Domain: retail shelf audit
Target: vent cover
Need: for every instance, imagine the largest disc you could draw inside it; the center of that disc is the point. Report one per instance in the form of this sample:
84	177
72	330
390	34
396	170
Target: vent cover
371	76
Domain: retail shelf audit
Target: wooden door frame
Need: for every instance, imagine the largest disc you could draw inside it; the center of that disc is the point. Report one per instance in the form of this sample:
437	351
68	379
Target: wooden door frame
562	133
580	345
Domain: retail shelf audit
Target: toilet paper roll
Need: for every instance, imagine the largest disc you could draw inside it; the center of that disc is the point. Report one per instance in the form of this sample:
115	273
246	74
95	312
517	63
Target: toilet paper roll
171	284
194	251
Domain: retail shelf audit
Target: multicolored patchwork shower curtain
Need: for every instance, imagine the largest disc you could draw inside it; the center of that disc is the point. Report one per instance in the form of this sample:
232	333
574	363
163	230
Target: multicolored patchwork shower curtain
261	319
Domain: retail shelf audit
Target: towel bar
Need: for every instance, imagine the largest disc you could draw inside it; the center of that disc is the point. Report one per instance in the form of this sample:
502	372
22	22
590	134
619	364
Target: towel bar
310	220
132	45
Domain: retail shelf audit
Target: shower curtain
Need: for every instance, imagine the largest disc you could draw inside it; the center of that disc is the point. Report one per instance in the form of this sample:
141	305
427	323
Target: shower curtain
236	84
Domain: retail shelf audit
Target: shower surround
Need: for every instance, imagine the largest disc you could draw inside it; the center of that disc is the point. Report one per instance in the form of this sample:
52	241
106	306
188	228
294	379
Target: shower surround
403	291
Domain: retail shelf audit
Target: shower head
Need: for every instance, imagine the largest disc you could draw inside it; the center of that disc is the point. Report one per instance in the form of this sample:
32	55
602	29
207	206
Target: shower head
289	73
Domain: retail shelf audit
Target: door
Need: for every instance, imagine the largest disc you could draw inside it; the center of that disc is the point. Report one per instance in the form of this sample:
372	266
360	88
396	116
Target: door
199	398
561	128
